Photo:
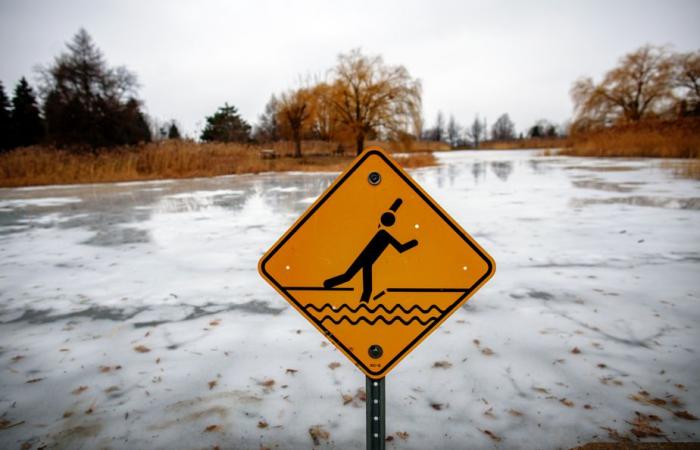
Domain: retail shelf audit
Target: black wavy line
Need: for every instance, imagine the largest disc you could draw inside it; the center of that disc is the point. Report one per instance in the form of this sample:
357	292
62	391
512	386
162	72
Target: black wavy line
377	319
377	308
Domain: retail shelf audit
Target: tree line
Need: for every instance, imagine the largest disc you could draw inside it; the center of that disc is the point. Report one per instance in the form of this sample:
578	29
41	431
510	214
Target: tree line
84	104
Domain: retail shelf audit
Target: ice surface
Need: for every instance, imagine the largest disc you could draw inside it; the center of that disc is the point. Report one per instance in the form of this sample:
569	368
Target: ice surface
132	315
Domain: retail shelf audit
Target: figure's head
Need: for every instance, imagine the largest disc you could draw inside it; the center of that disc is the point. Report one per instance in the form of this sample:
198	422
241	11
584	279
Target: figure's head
388	218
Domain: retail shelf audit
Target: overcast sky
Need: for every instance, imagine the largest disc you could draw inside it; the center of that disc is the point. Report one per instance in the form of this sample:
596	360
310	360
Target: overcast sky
486	57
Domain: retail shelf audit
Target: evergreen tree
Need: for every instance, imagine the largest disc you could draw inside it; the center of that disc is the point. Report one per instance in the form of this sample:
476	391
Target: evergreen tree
173	132
5	143
226	125
27	127
87	103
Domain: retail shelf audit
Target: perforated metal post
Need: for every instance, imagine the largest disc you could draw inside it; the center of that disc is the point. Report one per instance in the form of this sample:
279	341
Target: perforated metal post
376	409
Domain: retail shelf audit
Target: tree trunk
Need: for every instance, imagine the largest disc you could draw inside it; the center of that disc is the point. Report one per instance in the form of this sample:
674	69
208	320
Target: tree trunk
360	140
297	144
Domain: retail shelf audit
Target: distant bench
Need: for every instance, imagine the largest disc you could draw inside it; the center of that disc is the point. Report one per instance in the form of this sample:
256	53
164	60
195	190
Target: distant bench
268	153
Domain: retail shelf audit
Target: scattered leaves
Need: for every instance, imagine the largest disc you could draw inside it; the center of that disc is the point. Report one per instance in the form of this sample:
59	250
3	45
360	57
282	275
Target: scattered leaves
334	365
5	424
317	434
491	434
215	322
403	435
347	398
437	406
642	427
442	365
487	351
291	371
212	384
142	349
361	395
79	390
262	424
212	429
575	350
684	415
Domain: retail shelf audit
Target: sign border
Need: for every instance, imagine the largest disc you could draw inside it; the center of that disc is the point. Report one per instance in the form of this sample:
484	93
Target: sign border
378	151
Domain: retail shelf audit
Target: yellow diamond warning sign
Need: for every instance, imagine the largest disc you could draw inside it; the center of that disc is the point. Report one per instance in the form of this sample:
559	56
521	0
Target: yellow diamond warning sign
376	264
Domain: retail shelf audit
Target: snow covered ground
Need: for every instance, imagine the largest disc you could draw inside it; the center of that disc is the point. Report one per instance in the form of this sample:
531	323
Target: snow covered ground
132	315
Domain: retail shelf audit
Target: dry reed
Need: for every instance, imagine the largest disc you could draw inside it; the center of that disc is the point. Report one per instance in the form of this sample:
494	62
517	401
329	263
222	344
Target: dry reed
170	159
658	139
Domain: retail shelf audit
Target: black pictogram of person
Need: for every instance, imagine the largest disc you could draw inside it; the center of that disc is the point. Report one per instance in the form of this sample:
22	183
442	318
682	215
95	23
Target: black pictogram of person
372	251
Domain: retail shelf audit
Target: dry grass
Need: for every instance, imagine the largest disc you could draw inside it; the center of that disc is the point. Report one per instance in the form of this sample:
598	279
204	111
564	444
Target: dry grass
658	139
170	159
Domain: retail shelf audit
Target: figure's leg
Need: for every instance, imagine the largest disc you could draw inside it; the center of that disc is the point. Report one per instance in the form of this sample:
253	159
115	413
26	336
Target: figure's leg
342	278
366	283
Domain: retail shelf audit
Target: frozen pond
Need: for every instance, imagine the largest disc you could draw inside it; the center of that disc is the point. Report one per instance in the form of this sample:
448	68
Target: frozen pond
132	315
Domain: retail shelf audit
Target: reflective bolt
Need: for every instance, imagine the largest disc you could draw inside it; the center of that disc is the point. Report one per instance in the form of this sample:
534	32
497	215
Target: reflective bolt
375	351
374	178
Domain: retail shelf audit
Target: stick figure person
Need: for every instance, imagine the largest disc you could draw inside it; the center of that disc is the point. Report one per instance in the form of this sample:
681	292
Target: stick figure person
376	246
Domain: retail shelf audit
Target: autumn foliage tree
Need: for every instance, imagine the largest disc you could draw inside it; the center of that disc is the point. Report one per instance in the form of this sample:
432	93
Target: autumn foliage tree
640	87
295	112
370	96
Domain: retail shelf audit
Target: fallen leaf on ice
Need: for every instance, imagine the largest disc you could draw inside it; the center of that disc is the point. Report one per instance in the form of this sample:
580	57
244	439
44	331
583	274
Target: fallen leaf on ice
79	390
487	351
262	424
142	349
403	435
514	413
442	365
34	380
491	434
642	428
566	402
575	350
212	383
437	406
317	434
684	415
291	371
212	428
334	365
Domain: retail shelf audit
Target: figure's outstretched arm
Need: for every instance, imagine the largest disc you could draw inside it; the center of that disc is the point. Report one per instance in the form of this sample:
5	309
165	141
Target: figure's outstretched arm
403	247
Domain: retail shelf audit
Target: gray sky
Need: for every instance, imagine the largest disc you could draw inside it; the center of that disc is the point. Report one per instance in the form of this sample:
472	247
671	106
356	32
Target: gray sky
486	57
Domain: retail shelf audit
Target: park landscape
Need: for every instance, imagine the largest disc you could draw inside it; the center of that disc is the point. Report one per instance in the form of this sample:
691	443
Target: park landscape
132	314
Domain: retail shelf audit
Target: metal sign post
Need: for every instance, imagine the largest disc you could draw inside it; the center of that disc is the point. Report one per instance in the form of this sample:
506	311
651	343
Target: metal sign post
376	413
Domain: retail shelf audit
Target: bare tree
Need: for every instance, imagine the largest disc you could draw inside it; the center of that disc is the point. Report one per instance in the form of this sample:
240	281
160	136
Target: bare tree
371	97
267	129
639	87
438	131
295	110
476	131
453	130
687	79
503	129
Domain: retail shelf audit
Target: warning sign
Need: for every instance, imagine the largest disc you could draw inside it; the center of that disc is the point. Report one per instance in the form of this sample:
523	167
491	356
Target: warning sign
375	264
